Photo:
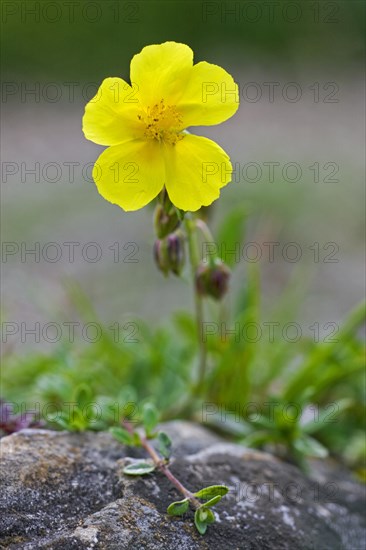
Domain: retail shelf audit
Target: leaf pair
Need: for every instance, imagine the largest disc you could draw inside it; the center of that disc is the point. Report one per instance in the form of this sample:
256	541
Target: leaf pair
203	515
202	518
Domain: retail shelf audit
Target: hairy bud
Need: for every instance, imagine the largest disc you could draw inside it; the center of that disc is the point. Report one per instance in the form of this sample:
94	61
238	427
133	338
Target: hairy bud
166	220
169	253
212	279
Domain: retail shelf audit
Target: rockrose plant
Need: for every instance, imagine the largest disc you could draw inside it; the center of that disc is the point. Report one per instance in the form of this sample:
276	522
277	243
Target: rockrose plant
151	155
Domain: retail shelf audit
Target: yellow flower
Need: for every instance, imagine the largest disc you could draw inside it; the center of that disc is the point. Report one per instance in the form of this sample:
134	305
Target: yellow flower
144	126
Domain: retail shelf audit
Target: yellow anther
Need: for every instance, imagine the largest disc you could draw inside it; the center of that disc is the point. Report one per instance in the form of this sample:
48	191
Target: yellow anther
162	123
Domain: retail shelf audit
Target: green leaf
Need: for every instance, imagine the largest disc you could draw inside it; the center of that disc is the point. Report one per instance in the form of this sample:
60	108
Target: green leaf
164	445
212	491
309	446
136	440
262	421
203	517
150	417
328	415
77	423
201	526
228	423
122	435
139	468
213	501
178	508
206	515
258	439
63	421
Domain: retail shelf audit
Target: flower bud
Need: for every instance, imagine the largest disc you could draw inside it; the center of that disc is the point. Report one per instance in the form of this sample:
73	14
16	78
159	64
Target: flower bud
160	256
212	279
169	253
166	220
176	252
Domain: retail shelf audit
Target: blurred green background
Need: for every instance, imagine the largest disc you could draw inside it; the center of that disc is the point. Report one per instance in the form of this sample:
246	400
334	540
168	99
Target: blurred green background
88	40
54	48
54	55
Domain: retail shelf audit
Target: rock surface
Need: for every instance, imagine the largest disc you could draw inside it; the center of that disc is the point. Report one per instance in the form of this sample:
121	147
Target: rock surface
65	491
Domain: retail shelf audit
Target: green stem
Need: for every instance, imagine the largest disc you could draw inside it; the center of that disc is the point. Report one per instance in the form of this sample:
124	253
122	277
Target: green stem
203	227
194	257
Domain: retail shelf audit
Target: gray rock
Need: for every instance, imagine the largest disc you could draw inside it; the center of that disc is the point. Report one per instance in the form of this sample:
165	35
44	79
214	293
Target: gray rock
66	491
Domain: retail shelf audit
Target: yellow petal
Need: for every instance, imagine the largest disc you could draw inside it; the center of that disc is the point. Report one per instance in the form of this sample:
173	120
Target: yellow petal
196	169
160	71
130	175
209	97
111	116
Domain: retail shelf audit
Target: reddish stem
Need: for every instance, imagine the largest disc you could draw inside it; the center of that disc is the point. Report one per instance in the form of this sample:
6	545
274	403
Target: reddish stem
163	467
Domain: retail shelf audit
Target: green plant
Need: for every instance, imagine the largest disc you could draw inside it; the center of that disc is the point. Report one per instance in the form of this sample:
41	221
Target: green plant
202	363
200	501
250	393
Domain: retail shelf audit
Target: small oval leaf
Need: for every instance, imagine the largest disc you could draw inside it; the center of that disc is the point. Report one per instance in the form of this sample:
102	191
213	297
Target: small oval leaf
164	445
213	501
139	468
212	491
178	508
206	515
150	417
201	527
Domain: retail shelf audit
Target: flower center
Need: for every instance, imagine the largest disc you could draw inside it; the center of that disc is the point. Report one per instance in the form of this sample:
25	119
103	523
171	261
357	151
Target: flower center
162	122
